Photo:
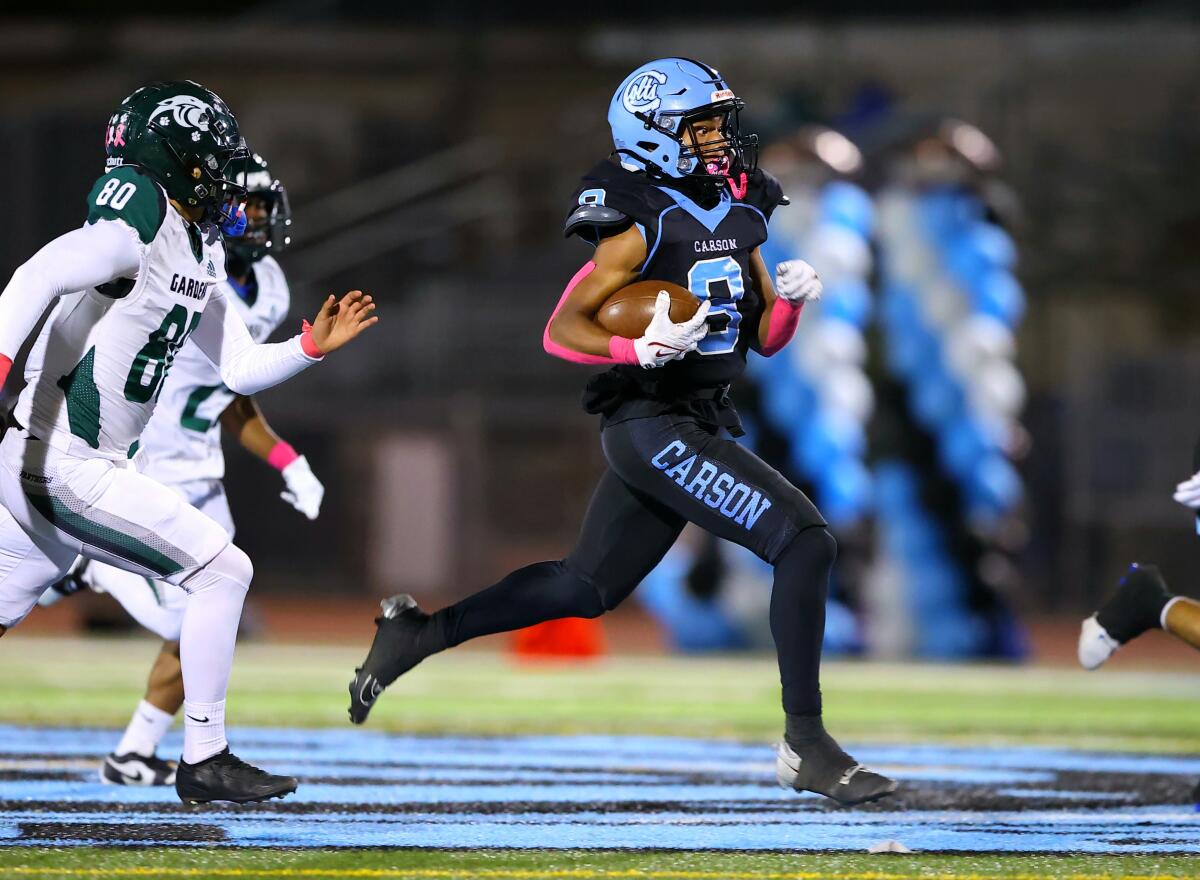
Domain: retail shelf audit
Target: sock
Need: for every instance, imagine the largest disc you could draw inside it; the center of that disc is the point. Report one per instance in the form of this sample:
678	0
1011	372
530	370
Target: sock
1137	605
1166	609
802	730
203	730
146	729
210	624
533	594
798	617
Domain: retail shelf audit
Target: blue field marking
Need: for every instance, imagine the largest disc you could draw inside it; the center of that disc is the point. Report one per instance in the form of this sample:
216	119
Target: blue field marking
1043	793
360	788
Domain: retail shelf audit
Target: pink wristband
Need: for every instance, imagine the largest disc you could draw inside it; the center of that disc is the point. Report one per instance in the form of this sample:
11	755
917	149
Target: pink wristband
622	350
5	366
281	455
306	342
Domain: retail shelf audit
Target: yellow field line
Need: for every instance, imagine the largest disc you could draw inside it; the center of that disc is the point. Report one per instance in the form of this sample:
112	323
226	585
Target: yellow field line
565	874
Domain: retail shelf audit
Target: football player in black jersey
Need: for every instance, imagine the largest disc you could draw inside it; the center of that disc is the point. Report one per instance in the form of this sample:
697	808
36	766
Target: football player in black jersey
680	200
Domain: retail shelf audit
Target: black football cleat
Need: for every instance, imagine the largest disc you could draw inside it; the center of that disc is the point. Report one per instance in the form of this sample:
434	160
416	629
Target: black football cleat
825	769
135	769
1135	607
401	642
226	777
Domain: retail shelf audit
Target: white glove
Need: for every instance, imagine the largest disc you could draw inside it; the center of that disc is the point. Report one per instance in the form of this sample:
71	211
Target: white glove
304	491
664	340
1187	493
797	282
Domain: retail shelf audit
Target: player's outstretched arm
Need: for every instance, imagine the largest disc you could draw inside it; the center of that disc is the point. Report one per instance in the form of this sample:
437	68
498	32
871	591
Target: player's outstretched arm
796	283
247	367
574	335
86	257
245	420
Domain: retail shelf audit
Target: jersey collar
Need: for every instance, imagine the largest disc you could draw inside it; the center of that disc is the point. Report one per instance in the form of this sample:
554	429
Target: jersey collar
709	218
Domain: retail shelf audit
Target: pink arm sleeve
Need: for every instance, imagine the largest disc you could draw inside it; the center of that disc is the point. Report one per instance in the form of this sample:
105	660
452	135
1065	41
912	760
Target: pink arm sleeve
620	349
784	318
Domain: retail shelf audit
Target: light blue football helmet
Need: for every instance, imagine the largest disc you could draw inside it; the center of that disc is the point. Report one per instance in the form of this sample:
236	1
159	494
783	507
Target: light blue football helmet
653	108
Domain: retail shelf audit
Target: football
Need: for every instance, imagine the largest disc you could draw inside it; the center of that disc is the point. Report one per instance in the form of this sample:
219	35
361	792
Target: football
628	311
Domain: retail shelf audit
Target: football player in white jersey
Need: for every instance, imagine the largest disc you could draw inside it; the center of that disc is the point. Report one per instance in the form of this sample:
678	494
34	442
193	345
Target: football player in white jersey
128	288
181	448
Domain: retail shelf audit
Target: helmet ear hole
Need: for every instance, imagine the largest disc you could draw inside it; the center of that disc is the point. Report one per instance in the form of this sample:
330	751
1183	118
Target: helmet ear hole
648	146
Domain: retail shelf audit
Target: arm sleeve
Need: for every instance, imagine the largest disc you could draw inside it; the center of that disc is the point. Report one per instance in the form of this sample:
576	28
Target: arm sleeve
620	349
246	367
86	257
781	326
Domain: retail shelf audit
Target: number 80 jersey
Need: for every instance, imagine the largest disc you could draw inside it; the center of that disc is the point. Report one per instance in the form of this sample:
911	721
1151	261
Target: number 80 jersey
703	248
96	369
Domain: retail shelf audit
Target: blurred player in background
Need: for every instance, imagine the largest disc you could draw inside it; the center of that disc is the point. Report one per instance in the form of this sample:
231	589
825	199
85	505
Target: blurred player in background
682	201
128	288
181	448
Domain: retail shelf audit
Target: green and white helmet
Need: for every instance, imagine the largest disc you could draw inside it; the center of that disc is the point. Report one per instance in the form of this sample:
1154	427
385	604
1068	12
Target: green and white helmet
185	137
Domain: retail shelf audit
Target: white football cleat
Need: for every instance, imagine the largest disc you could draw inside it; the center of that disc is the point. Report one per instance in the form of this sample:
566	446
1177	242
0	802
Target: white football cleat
135	769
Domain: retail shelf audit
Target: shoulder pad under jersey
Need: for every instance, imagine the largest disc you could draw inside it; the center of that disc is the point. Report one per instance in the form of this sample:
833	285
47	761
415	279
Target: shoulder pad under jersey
625	193
594	222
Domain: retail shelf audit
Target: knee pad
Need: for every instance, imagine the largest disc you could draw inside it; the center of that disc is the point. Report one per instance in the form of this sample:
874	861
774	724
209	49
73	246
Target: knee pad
816	545
587	599
230	565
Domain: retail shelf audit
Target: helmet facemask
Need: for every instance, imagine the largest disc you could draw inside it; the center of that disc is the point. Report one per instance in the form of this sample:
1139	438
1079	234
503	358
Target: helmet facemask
732	153
268	225
705	160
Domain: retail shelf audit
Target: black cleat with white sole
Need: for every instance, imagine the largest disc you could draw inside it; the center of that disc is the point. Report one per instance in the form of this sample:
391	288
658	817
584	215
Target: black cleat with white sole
823	767
135	769
226	777
1136	606
403	638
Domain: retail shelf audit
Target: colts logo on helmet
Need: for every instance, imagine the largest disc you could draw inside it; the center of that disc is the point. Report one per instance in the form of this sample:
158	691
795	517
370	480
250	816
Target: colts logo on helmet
186	110
641	95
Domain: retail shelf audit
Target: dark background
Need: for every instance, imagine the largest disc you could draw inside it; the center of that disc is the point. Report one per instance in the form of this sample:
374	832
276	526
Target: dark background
430	154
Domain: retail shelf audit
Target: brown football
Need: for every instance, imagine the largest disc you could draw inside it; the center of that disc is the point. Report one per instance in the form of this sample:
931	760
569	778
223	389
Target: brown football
628	311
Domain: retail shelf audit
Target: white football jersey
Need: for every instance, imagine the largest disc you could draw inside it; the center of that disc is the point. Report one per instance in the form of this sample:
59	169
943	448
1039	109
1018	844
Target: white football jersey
97	367
182	442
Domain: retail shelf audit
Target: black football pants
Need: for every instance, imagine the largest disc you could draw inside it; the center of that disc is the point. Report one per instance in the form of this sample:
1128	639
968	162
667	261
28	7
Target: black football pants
663	472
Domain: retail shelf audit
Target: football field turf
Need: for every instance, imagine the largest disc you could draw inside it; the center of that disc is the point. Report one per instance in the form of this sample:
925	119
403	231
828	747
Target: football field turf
631	767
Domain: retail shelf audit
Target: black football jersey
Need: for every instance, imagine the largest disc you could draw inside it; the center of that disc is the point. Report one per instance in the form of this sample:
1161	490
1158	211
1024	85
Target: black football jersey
706	251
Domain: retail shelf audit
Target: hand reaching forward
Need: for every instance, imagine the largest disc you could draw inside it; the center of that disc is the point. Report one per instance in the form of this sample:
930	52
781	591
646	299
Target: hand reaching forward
340	321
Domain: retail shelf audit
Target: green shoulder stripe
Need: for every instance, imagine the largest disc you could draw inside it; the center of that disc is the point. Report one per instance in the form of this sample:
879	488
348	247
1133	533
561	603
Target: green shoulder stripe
125	193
